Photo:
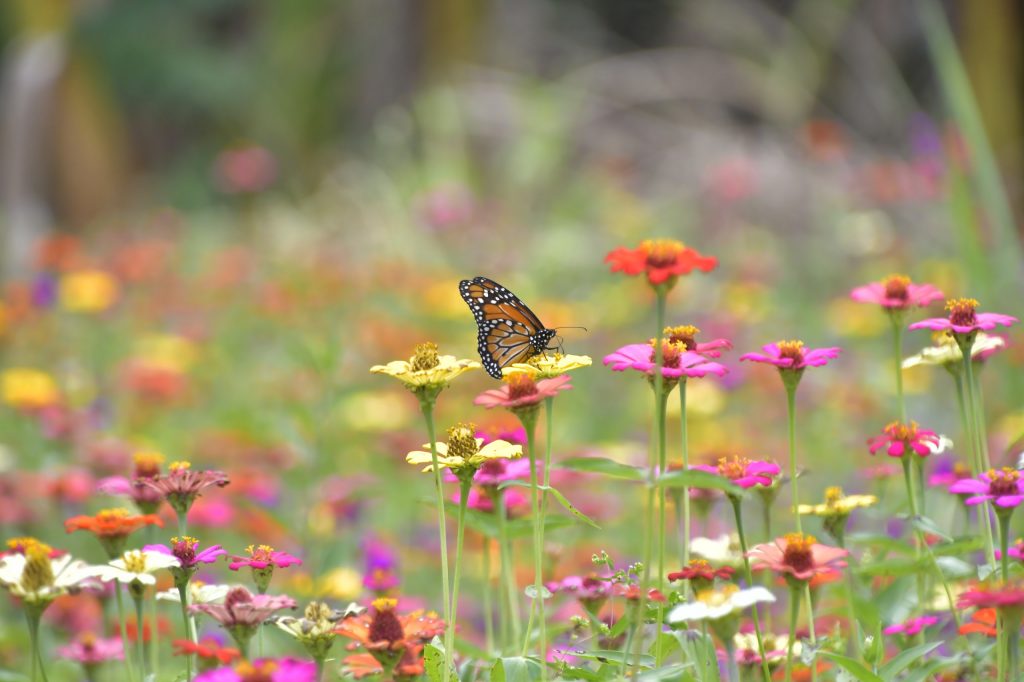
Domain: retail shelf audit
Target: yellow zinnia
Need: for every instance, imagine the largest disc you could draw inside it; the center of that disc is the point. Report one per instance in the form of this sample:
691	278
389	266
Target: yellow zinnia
837	504
464	450
548	366
27	389
426	372
88	291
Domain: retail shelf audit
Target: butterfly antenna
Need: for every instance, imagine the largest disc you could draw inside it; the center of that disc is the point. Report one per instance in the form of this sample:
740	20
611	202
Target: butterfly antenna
583	328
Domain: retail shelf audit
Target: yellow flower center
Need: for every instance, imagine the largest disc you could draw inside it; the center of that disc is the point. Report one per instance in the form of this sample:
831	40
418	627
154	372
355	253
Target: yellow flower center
732	468
147	463
832	495
22	545
1003	482
425	357
520	385
318	612
539	361
134	561
791	349
661	252
462	441
719	596
108	515
38	571
255	672
901	432
896	286
961	311
260	552
798	553
684	335
670	353
182	465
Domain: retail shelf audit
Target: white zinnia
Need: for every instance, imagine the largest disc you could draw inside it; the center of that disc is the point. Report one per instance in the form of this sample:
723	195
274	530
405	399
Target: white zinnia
725	549
948	352
198	593
66	573
712	605
136	565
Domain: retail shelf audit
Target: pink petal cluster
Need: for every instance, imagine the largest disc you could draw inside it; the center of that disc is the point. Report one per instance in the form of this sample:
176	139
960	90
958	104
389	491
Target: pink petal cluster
897	292
798	556
185	550
911	626
675	363
743	472
243	608
264	670
793	355
989	596
521	391
263	556
964	318
1002	487
90	650
899	439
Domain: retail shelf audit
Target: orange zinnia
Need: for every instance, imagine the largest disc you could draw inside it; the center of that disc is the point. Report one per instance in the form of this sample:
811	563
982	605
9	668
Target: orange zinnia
390	637
112	527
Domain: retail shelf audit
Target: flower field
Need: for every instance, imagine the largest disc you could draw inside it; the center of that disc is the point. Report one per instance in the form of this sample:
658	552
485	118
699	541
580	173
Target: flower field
529	398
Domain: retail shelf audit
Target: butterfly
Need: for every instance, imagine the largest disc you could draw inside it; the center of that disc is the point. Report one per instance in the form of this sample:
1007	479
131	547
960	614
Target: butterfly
507	330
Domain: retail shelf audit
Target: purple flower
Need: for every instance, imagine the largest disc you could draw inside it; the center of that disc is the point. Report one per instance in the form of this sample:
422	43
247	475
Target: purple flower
1004	488
243	612
265	670
792	355
964	319
676	361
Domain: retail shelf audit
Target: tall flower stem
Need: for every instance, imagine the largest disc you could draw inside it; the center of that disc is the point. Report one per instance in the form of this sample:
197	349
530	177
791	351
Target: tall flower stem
124	630
685	447
189	635
897	346
794	613
32	616
977	465
528	418
790	383
976	433
507	575
139	630
738	513
810	626
427	407
460	533
1003	519
488	604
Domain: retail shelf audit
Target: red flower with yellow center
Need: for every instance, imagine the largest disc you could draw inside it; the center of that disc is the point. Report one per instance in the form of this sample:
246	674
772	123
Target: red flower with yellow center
389	637
662	260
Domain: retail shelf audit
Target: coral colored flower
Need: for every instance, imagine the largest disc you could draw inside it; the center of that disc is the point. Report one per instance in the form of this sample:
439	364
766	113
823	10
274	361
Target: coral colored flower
1003	487
37	578
701	575
409	666
983	621
996	596
899	439
388	636
964	319
797	556
520	390
792	355
661	260
463	452
426	372
911	626
632	593
721	603
896	292
88	291
182	484
263	559
947	353
112	527
743	472
28	389
208	649
264	670
677	362
549	366
90	650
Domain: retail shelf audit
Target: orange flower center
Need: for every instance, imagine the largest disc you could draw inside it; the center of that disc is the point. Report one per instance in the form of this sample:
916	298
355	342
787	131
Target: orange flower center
732	468
252	672
901	432
1003	482
184	548
260	552
662	252
22	545
385	626
961	311
684	335
896	286
425	357
791	349
520	385
670	353
797	554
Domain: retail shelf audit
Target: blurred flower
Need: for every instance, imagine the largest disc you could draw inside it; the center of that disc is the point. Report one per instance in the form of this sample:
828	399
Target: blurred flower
463	453
747	656
444	208
245	170
911	627
896	292
592	590
112	527
136	567
181	485
380	576
989	595
836	509
208	650
341	583
946	352
791	355
316	630
387	636
725	549
701	574
521	391
900	439
964	319
91	651
949	474
184	550
983	621
37	578
720	603
242	612
1003	487
28	389
426	373
264	670
544	366
661	260
677	362
263	559
198	593
88	291
797	556
743	472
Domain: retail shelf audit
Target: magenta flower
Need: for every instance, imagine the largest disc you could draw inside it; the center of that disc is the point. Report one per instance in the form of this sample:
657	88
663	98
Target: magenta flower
90	650
686	336
263	670
743	472
896	292
792	355
964	318
592	590
496	471
948	473
185	549
911	626
1004	488
520	390
263	559
899	439
677	362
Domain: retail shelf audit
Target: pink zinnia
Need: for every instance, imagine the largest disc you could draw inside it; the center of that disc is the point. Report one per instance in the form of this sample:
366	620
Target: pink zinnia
896	292
797	556
995	597
185	549
676	361
90	650
898	439
792	355
520	390
181	485
1004	488
263	556
911	627
264	670
686	336
743	472
242	608
964	318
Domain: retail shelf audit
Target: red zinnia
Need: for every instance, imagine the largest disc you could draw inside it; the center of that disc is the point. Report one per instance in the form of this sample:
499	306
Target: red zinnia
662	260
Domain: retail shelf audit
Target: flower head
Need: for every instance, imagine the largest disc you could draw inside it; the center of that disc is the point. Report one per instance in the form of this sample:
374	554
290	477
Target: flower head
198	593
964	319
899	439
663	261
464	453
186	550
28	389
520	390
947	353
1003	595
792	355
242	612
88	291
1003	487
743	472
797	557
548	366
701	574
137	567
896	292
911	626
686	336
263	559
112	527
90	650
983	621
677	362
316	630
182	484
837	504
720	603
591	590
37	578
263	670
208	650
389	636
426	373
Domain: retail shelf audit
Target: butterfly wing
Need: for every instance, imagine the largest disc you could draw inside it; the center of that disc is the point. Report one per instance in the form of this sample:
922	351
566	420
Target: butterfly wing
507	330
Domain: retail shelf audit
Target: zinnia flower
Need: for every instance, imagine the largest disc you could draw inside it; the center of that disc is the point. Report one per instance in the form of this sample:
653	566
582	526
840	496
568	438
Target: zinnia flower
663	261
182	485
198	593
90	650
995	596
112	527
964	319
1003	487
37	578
208	649
548	366
899	439
264	670
184	549
911	626
896	293
387	636
592	591
686	335
426	373
263	559
701	574
983	621
791	355
797	557
242	613
743	472
316	629
835	511
718	604
136	568
463	453
676	362
947	353
521	391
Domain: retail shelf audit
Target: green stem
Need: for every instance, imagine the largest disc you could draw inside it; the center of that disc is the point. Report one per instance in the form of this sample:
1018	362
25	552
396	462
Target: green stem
685	446
488	605
1003	520
124	630
529	421
810	625
737	512
427	407
1012	627
793	473
139	629
897	346
507	575
794	613
460	532
183	597
32	616
977	465
977	436
918	538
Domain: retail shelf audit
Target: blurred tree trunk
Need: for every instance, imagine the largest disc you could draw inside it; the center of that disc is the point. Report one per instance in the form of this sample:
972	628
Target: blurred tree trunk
991	37
452	34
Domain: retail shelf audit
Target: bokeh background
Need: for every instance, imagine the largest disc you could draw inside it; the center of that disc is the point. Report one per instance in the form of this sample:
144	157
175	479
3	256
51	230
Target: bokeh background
270	197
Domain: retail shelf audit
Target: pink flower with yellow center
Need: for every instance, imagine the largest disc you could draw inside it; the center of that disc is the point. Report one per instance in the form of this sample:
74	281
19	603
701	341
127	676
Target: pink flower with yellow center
743	472
964	319
897	292
686	335
900	439
676	361
797	557
792	355
520	390
911	626
1003	487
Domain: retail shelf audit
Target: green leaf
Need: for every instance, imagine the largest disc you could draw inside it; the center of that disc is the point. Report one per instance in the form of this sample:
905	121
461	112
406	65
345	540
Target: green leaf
952	567
670	672
926	525
855	668
564	501
697	479
605	466
894	567
616	657
433	660
515	669
902	660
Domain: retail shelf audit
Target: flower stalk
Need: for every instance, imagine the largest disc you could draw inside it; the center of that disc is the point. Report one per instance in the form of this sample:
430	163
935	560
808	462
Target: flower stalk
427	408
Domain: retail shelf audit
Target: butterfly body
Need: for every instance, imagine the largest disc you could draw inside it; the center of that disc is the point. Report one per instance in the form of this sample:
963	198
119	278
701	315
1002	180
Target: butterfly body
507	330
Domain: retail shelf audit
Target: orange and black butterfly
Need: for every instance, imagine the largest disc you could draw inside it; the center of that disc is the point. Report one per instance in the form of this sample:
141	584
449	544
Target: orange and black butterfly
508	331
